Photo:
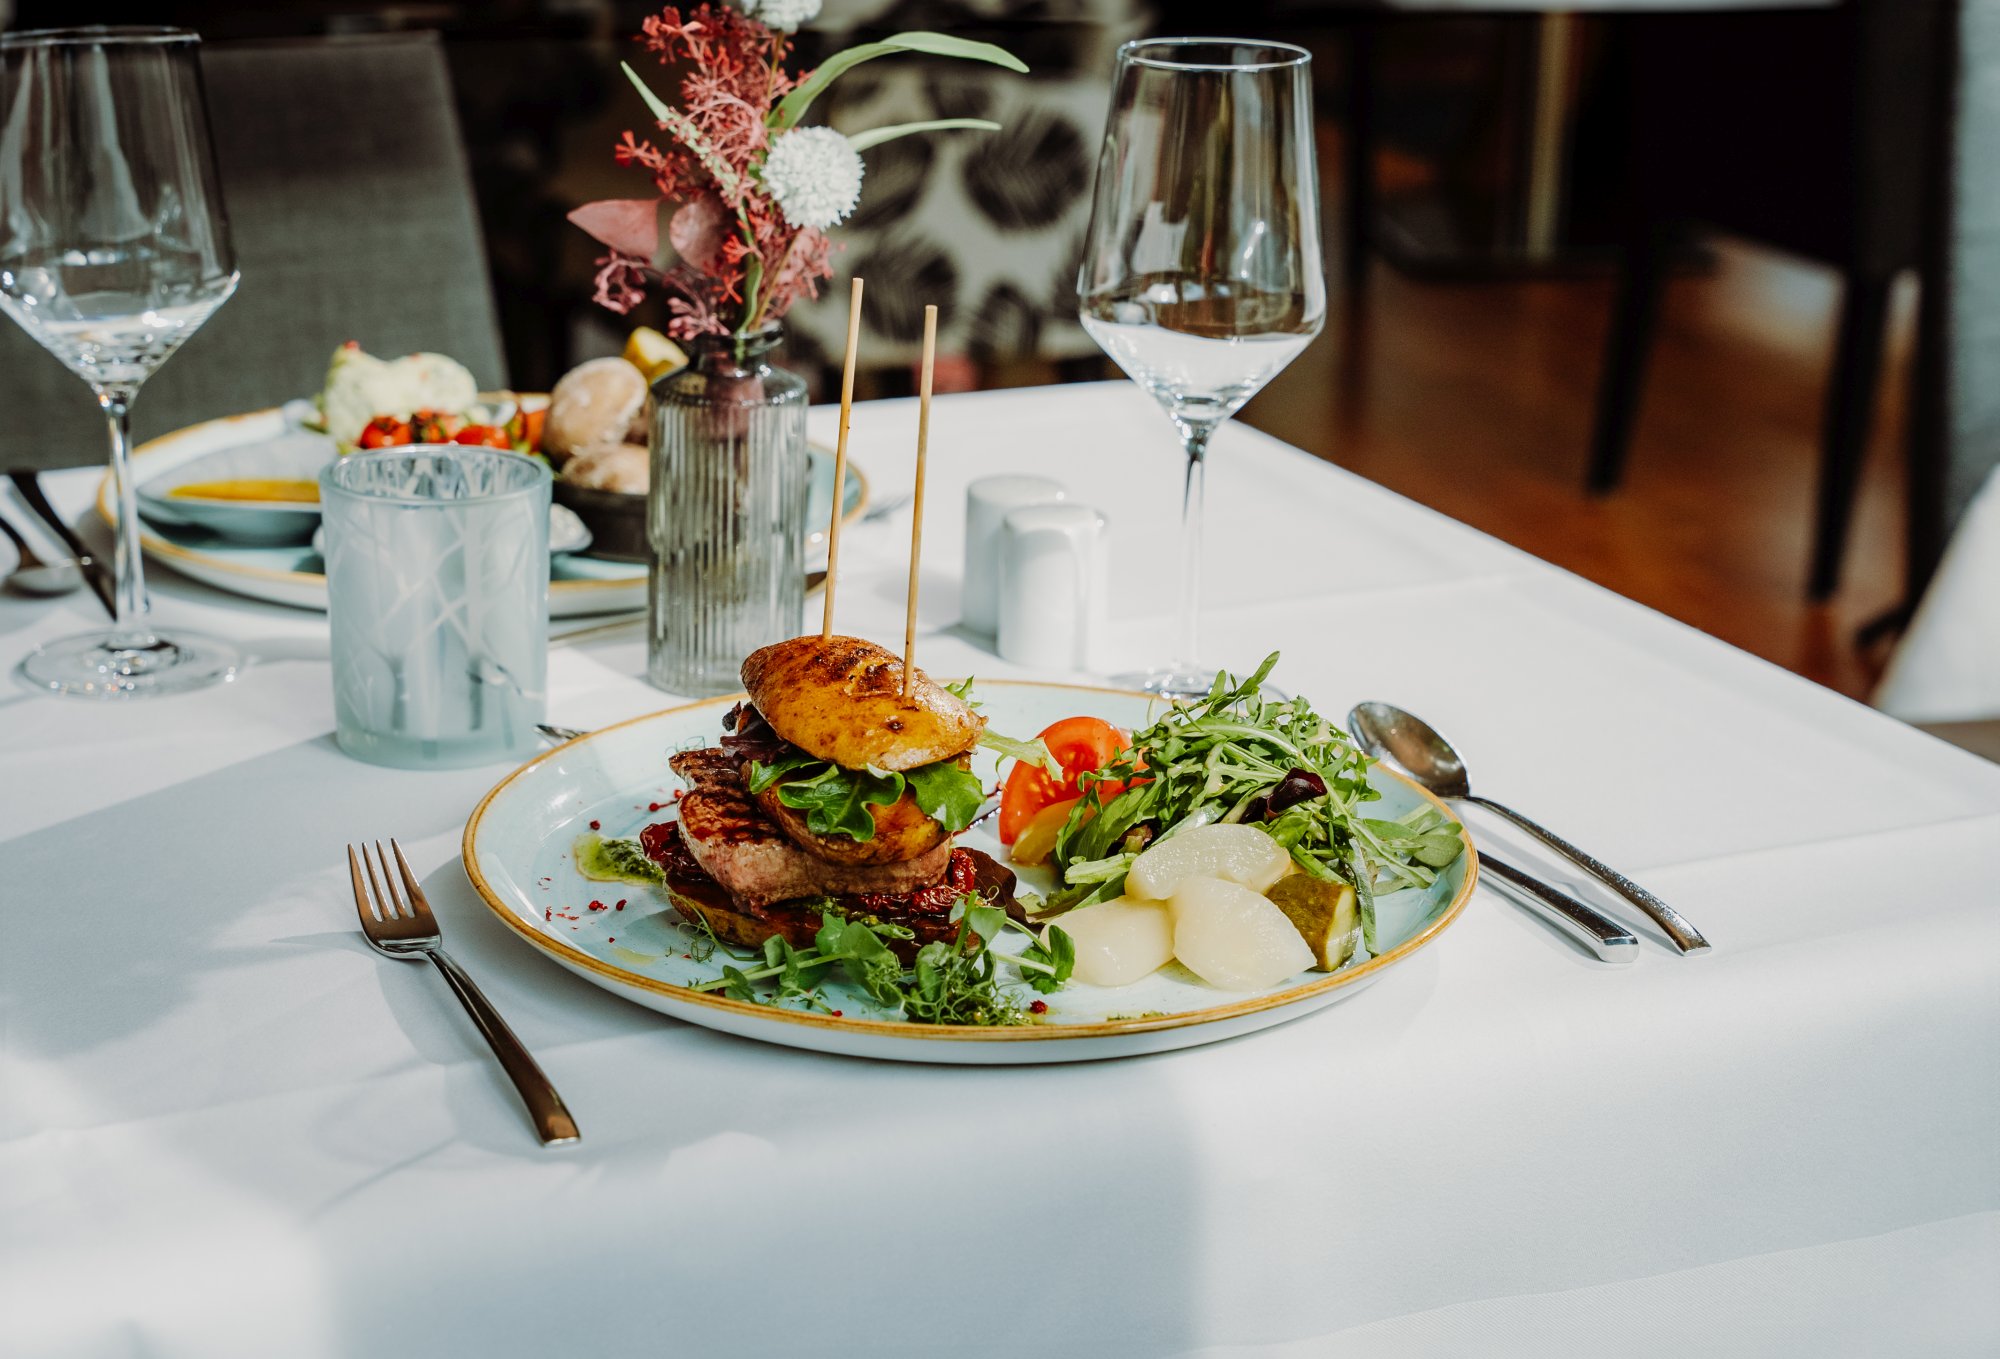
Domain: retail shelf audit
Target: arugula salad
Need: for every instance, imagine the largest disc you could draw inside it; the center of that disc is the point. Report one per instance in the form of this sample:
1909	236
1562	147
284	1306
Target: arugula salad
1235	757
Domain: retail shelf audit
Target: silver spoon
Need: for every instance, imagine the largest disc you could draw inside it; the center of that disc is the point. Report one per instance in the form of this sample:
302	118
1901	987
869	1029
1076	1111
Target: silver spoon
33	576
1412	745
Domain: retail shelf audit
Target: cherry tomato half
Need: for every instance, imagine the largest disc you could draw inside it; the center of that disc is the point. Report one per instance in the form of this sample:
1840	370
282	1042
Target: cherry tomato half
483	436
435	427
1081	745
384	431
525	429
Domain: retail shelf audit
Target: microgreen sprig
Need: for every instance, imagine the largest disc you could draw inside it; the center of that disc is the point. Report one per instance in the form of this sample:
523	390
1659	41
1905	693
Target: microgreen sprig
950	982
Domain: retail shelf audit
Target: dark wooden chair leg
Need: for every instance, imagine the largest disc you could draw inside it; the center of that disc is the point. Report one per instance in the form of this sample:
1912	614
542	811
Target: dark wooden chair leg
1358	167
1635	318
1850	419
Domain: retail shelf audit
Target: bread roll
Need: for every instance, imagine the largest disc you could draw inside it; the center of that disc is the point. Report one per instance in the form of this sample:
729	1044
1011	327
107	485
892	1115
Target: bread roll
596	405
621	467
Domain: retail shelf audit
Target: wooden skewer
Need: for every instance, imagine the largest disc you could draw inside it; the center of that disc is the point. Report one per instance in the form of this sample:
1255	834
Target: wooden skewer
840	458
917	496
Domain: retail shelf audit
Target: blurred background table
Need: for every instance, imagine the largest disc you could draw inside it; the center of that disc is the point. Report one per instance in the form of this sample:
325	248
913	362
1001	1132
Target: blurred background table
1791	434
229	1129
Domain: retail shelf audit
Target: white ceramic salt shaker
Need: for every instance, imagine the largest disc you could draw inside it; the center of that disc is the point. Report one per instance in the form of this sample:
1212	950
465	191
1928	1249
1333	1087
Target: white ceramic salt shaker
1053	572
987	502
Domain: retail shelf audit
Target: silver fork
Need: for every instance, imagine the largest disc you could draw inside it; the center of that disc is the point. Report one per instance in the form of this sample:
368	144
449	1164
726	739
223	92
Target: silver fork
399	924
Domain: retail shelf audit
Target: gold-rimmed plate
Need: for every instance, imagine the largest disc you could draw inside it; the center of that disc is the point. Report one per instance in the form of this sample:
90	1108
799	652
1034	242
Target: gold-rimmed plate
518	853
292	573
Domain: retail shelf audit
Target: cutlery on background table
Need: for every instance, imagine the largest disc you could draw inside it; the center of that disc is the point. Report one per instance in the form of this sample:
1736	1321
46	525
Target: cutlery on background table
30	486
33	576
399	925
1408	743
27	482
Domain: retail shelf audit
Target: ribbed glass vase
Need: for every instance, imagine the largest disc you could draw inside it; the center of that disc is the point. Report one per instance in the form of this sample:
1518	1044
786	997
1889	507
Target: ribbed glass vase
726	512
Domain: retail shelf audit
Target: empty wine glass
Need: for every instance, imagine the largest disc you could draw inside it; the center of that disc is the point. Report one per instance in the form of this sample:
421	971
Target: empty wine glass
1201	270
113	251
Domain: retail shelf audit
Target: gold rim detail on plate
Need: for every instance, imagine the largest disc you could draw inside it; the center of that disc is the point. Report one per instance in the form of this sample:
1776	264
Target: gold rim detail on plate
159	547
570	954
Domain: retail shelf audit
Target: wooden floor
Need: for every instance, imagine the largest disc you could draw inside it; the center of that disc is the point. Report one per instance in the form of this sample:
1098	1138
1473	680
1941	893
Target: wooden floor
1476	398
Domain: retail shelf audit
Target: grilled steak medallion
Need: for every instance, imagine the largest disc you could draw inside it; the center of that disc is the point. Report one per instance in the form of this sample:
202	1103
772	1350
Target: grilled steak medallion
926	913
738	846
710	768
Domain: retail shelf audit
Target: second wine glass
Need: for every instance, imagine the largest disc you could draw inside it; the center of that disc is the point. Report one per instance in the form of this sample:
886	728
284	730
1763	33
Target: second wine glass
113	251
1201	274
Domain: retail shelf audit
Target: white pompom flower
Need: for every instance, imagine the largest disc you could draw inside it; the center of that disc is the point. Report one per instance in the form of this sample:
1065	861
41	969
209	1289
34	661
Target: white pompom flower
815	174
786	15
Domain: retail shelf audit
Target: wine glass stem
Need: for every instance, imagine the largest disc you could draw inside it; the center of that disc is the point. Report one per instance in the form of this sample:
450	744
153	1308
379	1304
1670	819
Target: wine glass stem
129	627
1194	439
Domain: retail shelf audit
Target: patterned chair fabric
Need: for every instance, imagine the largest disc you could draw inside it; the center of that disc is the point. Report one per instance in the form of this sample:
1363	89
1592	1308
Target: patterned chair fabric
987	225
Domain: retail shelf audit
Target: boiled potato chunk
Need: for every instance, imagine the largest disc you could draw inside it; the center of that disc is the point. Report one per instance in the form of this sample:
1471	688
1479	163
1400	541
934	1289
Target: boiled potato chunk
1118	942
1238	854
1324	914
1234	939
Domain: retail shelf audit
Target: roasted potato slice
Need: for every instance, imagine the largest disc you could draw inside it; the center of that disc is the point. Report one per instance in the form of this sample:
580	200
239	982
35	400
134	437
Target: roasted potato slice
841	699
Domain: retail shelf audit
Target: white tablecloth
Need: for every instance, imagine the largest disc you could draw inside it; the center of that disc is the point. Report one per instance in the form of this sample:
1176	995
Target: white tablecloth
226	1128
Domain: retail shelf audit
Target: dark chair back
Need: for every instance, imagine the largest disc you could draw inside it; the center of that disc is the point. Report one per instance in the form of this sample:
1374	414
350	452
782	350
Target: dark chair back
1807	130
353	219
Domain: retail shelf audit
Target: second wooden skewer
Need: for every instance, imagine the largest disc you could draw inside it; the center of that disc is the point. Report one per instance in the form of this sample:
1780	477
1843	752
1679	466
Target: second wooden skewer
917	496
840	458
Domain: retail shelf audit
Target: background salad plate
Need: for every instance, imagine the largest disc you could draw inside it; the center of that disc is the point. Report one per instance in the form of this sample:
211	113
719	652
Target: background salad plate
277	443
518	855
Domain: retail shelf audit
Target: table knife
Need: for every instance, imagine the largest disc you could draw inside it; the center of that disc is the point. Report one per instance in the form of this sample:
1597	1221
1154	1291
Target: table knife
1603	936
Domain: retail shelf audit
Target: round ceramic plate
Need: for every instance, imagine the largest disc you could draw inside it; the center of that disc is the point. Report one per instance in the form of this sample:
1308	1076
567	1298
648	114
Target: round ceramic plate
518	855
275	443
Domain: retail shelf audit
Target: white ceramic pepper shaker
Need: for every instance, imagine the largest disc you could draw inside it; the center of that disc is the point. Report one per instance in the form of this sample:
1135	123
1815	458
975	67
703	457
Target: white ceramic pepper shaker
1053	586
987	502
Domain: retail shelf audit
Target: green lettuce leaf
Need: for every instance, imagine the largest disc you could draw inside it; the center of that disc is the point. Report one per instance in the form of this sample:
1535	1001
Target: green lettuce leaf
836	800
948	795
761	776
1028	752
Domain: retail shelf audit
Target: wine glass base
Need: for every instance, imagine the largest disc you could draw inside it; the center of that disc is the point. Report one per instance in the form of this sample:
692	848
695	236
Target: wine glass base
1184	682
101	665
1172	681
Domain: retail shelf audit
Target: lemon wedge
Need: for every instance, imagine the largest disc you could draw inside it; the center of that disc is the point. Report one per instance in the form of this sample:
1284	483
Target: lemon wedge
653	353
